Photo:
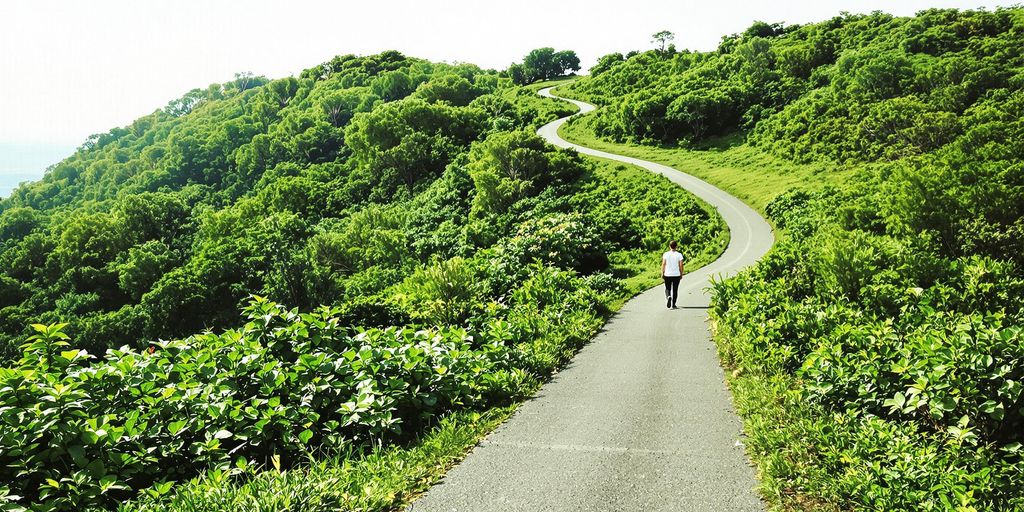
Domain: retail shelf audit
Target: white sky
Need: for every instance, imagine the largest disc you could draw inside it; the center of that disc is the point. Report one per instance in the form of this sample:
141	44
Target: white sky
72	68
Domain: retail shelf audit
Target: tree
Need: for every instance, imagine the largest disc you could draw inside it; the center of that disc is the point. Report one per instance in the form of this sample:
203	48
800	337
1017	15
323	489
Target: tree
392	86
565	61
245	81
543	64
17	223
143	265
605	63
518	73
452	89
663	38
283	90
540	63
339	106
507	167
763	29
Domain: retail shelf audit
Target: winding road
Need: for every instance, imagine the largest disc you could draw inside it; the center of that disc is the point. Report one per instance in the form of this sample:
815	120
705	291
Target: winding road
641	419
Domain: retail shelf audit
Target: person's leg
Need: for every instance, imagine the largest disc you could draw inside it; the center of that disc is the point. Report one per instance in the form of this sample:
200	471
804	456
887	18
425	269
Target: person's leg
668	291
675	289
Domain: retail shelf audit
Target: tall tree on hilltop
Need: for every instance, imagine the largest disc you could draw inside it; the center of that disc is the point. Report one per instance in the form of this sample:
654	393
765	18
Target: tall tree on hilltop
663	38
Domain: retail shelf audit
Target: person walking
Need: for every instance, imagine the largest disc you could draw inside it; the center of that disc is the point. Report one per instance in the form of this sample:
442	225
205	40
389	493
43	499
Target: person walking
671	272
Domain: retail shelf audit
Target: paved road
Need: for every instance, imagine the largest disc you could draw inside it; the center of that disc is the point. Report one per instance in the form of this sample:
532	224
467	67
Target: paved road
641	419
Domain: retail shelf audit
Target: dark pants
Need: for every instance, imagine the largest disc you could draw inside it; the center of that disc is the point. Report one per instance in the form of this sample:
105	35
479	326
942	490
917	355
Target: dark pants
672	289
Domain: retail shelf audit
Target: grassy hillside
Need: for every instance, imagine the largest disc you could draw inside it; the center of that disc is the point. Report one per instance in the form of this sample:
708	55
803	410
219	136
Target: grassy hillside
317	290
727	164
876	354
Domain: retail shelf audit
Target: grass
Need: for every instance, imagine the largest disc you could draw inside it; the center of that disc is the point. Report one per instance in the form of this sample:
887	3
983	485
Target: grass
741	170
536	86
774	415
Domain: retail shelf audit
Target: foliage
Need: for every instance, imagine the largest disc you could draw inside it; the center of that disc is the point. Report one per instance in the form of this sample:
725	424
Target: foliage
852	88
162	228
876	353
384	479
78	433
445	292
905	340
407	206
543	64
562	240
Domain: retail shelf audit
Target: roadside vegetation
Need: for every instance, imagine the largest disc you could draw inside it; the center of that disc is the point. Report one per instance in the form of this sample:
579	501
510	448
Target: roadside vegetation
312	293
876	354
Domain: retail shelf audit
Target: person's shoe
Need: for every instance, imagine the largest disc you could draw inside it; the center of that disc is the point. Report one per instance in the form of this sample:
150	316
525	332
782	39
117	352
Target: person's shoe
668	303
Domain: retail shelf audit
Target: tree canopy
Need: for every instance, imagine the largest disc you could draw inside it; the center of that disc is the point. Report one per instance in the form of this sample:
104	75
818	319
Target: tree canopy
544	64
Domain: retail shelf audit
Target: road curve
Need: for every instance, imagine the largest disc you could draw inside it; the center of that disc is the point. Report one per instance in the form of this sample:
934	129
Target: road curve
640	420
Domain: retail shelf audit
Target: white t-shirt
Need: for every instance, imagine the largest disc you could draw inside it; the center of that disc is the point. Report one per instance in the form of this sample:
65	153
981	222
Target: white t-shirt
672	260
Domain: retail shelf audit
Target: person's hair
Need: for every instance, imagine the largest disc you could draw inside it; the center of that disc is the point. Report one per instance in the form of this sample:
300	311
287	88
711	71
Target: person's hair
672	244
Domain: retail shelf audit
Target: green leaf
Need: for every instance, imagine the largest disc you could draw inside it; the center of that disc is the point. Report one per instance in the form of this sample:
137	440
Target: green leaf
109	482
129	422
175	426
222	434
305	436
896	402
163	487
97	469
90	437
77	453
994	409
946	404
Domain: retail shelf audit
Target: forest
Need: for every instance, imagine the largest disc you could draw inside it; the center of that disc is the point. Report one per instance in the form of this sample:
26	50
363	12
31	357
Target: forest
876	354
306	272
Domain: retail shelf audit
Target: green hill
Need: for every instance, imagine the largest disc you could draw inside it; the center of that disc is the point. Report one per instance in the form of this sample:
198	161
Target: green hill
877	353
368	262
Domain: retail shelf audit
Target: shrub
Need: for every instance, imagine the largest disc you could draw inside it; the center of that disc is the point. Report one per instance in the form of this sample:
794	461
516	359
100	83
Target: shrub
446	292
562	240
77	433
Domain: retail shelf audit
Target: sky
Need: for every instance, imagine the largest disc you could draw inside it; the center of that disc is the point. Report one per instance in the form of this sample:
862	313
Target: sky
72	68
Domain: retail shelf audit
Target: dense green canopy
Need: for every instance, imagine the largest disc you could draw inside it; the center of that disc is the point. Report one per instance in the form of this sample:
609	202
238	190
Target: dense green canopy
445	257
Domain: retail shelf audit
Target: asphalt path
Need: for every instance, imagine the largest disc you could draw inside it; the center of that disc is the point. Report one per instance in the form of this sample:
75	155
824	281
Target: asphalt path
641	419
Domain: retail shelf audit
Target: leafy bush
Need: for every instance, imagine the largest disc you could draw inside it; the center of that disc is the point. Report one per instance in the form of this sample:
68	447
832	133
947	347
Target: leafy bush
78	433
561	240
445	292
907	364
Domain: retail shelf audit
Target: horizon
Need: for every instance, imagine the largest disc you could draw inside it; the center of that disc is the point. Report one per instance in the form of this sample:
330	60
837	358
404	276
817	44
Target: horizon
46	121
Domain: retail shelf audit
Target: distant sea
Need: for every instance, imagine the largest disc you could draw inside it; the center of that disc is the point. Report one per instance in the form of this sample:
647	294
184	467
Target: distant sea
27	162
